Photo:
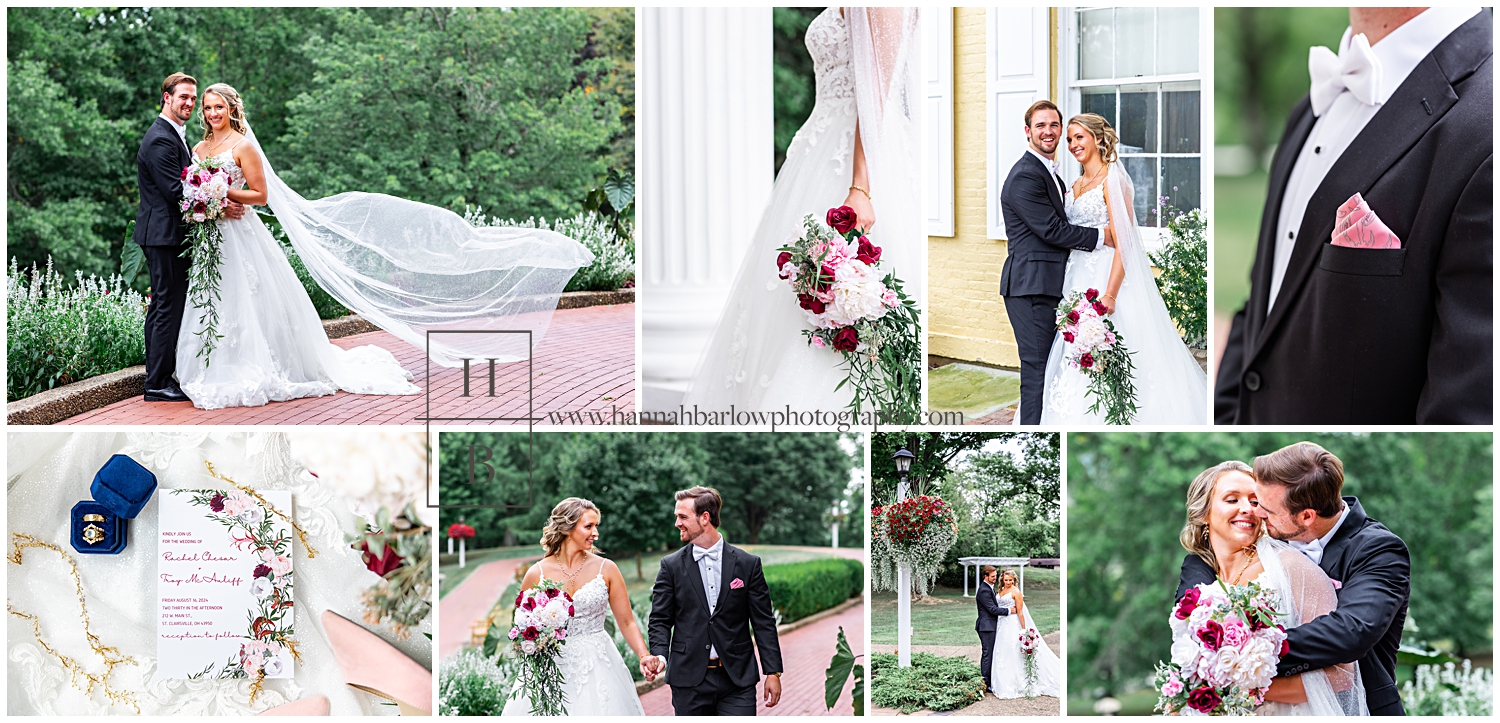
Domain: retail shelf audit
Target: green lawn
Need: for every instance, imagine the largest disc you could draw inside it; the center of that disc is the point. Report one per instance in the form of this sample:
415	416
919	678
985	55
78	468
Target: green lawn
951	622
452	574
1237	207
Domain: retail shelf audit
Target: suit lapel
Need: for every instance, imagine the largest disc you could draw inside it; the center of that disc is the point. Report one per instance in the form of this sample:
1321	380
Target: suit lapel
700	593
726	565
1393	130
1281	173
1333	555
1047	179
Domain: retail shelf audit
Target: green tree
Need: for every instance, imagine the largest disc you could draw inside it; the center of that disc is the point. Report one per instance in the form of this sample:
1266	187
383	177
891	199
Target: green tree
934	452
794	86
776	487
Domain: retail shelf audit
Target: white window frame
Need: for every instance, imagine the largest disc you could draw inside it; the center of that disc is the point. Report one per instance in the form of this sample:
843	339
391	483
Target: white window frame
1005	89
1072	100
937	120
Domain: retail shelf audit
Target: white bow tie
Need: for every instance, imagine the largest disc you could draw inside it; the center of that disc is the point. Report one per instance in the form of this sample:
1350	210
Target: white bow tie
1313	550
711	553
1356	69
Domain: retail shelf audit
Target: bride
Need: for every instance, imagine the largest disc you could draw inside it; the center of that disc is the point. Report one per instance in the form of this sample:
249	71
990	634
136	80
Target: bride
1223	529
1170	386
406	267
1008	672
858	148
595	679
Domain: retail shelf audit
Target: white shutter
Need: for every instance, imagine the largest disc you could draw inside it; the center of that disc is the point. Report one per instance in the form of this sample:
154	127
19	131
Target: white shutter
1017	74
937	120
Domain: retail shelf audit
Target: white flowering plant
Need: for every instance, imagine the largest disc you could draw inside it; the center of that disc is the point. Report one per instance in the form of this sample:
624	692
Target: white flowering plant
1098	351
917	532
1449	689
1225	647
539	629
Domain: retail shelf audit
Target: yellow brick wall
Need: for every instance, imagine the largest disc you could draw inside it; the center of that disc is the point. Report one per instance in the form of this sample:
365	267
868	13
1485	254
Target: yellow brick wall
968	315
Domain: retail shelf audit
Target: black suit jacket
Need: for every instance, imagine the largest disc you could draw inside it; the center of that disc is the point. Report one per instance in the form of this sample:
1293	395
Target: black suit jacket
989	609
158	175
682	627
1373	567
1381	336
1038	235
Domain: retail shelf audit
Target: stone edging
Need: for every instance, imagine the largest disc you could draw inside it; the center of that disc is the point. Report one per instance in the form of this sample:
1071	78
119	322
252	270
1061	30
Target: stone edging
582	299
643	687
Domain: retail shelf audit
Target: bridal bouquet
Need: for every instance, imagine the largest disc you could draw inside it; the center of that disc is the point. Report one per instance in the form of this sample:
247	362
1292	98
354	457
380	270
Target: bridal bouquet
1225	647
538	632
1096	350
1029	641
205	193
861	313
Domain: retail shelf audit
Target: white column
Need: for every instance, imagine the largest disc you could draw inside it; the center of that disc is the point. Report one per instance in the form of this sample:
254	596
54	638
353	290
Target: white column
706	157
450	546
903	602
966	580
461	552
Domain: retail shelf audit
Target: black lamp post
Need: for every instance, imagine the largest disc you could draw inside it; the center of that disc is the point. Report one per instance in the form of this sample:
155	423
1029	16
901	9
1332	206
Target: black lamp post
903	459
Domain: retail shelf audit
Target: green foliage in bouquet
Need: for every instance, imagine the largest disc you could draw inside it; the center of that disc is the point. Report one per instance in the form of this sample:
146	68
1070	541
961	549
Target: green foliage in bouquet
57	335
800	589
402	550
934	683
1183	281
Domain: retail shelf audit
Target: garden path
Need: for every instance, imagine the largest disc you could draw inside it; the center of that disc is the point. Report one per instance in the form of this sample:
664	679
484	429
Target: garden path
805	653
585	371
989	705
471	601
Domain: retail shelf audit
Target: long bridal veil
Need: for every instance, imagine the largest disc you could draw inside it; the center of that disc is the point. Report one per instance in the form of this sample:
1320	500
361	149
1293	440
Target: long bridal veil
410	268
1306	592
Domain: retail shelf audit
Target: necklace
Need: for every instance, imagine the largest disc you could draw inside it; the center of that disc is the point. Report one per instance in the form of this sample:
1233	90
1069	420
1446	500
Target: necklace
214	140
568	576
1249	559
1090	180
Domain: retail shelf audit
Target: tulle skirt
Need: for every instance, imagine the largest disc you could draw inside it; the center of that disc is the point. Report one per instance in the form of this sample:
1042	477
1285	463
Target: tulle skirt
1008	672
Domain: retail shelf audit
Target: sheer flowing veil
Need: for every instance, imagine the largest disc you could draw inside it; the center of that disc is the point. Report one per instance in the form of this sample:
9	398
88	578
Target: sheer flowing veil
1306	593
410	268
1121	192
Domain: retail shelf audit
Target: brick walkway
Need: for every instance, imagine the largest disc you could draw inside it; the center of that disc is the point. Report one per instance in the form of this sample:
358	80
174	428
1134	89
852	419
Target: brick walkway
584	365
805	653
464	606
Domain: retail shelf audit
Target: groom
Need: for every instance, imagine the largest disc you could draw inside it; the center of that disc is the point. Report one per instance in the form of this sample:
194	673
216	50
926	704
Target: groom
161	232
707	598
990	613
1038	239
1297	490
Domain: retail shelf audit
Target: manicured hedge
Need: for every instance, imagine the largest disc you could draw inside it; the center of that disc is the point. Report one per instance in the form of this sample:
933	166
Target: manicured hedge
933	683
799	589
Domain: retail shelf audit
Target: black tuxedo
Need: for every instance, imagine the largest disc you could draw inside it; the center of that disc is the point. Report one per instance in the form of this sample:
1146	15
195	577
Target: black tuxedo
1381	336
1038	239
682	629
160	232
1373	567
988	620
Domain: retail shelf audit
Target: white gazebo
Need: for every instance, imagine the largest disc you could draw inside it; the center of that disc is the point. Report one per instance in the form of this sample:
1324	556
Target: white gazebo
977	562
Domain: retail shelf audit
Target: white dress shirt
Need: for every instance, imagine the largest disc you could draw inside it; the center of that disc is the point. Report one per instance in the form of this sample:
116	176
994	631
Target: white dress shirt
1314	549
181	130
1399	53
710	566
1062	192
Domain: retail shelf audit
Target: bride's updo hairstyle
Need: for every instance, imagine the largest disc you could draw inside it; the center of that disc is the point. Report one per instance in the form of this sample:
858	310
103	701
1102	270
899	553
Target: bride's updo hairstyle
1104	135
560	524
236	110
1200	494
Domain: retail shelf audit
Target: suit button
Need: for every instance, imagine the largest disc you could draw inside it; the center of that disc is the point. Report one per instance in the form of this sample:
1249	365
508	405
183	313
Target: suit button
705	647
1252	381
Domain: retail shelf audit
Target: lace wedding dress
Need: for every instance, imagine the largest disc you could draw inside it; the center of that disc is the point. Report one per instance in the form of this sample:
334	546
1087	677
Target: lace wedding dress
1170	386
1008	671
595	679
757	358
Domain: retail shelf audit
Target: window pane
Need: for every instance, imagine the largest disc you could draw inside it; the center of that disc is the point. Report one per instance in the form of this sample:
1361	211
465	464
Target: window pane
1096	44
1100	101
1177	40
1137	126
1180	182
1143	174
1135	43
1180	118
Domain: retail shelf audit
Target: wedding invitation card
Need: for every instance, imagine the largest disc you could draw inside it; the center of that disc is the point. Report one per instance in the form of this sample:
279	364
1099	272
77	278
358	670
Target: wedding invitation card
224	584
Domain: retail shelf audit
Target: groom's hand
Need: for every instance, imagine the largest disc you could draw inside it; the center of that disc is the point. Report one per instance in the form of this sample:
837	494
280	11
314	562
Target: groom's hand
773	690
234	209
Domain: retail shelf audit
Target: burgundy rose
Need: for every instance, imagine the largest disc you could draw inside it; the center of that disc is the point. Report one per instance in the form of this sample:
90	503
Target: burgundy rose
261	571
846	340
1073	316
530	632
1188	604
1204	700
868	252
183	177
529	604
811	303
388	561
1068	337
781	260
842	218
553	592
825	277
1091	294
1286	647
1100	308
216	503
1086	361
519	596
1212	635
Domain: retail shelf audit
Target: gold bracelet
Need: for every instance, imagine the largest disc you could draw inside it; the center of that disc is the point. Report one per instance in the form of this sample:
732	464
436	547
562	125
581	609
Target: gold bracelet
1110	296
861	190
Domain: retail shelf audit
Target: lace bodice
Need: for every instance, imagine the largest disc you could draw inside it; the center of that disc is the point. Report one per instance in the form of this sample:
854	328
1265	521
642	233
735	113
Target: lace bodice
827	40
235	174
1006	602
1089	209
590	604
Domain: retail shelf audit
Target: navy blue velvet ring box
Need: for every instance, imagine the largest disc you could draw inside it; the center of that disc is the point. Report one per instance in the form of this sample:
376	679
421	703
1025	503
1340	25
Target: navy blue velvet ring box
101	526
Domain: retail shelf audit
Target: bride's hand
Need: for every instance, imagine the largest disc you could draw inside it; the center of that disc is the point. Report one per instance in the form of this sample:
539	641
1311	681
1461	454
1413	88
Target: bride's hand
1109	302
865	210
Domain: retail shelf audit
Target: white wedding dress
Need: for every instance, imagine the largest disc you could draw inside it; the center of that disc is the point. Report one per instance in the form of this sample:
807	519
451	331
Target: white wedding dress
1008	671
757	358
595	679
1170	386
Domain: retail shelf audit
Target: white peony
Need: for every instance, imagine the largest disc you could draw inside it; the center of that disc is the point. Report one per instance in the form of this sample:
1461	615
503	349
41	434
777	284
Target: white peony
370	469
1185	651
857	294
272	667
553	614
260	587
1091	332
528	647
1255	663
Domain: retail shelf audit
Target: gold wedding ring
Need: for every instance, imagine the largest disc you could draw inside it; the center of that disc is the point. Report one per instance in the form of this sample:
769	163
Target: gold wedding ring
93	534
93	518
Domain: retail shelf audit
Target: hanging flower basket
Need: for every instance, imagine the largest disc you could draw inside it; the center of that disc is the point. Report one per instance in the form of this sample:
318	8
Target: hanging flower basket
460	531
917	532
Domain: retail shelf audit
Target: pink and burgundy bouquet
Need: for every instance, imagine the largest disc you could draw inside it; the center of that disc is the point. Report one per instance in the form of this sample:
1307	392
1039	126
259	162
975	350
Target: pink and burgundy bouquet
1098	351
858	311
1225	647
1030	640
538	631
205	194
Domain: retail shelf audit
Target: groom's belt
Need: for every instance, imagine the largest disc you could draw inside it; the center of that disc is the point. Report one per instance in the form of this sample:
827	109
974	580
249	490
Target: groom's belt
715	663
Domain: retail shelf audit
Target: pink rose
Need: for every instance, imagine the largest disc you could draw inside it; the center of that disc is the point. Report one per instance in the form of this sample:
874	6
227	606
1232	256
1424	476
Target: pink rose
889	298
818	343
1171	688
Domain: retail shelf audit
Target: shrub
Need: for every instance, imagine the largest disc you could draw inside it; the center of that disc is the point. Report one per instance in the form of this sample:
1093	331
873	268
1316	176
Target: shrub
471	684
936	684
799	589
1449	689
614	257
57	335
1184	275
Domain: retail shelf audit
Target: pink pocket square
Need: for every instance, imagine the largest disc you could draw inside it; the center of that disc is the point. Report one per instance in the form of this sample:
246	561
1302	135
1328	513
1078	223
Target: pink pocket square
736	584
1358	227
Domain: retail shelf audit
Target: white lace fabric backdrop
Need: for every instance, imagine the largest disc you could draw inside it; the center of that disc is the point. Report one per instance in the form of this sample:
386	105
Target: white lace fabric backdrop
49	472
